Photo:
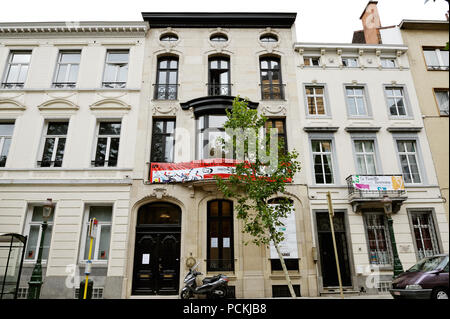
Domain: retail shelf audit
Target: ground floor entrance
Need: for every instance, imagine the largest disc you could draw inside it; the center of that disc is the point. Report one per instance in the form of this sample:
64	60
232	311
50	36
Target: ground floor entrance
156	268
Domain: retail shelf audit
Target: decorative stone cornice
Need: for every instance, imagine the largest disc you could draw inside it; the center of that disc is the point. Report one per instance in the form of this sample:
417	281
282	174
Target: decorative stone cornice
73	27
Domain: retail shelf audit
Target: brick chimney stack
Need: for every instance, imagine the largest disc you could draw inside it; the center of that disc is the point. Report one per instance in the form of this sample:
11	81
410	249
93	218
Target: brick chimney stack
371	23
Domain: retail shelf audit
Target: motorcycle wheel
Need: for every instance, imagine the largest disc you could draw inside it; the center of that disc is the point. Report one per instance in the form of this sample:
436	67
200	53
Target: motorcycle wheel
186	294
218	293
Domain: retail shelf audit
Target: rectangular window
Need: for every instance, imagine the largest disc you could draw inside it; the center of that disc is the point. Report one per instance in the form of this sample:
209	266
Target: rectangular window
408	160
396	101
424	234
166	87
67	69
34	231
442	100
388	63
378	239
323	164
436	59
16	69
356	101
220	236
271	82
102	239
365	157
108	138
116	69
280	125
163	141
291	264
315	96
6	132
351	62
210	131
54	144
311	61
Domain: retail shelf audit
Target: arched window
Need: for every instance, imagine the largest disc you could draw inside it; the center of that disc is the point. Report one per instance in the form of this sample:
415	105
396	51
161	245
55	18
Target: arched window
271	83
268	37
218	37
219	76
169	37
220	255
167	78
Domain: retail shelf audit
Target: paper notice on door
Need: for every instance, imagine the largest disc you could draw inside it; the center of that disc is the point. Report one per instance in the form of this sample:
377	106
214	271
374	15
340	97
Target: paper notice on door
214	242
145	259
226	242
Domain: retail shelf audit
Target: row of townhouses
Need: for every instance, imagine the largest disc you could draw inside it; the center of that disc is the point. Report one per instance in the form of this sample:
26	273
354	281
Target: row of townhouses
85	108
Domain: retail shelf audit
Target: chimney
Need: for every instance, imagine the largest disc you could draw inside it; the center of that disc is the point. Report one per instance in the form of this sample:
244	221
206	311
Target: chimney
371	23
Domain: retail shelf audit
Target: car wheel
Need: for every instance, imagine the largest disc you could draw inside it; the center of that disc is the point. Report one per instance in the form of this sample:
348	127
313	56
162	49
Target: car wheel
440	293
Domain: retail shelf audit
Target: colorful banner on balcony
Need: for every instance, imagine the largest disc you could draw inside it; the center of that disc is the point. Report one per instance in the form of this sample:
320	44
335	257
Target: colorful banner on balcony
191	171
378	182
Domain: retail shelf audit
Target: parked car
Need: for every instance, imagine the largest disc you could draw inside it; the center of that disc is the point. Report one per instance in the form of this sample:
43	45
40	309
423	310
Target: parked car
428	279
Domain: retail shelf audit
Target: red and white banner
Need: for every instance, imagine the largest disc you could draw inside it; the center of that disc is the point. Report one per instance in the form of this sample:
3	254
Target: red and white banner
191	171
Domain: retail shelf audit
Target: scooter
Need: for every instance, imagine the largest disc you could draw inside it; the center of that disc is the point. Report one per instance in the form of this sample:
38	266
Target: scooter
213	287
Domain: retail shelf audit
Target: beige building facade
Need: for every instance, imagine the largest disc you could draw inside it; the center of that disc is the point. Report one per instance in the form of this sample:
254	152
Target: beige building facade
429	61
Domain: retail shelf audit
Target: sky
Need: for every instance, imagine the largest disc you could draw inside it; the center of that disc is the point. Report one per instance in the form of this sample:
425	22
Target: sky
317	20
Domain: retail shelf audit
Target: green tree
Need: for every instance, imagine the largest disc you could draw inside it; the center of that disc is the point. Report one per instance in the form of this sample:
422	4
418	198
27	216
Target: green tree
255	181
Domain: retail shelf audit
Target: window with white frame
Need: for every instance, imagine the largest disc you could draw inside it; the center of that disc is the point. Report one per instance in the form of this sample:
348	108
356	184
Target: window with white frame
356	101
315	98
311	61
436	58
442	100
54	142
407	153
102	236
396	101
107	148
424	234
323	163
6	131
33	229
67	69
16	69
116	69
365	157
388	63
378	238
351	62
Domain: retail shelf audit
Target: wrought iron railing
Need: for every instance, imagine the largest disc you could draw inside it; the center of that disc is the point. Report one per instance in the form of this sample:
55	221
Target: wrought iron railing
166	91
219	89
272	91
438	67
356	192
62	85
12	85
101	163
114	85
49	163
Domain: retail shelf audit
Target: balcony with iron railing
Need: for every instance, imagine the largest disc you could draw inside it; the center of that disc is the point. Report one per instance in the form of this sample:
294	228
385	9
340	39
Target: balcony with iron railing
114	85
64	85
45	163
219	89
12	85
273	91
165	91
372	191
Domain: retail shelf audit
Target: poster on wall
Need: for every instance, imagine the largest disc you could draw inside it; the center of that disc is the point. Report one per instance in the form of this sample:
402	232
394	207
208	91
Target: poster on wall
191	171
288	247
378	182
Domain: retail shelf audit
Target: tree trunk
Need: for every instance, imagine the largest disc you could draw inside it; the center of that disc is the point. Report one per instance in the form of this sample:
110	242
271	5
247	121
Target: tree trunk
283	265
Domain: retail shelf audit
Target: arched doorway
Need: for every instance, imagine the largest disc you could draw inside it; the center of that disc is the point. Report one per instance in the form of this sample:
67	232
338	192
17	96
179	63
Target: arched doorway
157	249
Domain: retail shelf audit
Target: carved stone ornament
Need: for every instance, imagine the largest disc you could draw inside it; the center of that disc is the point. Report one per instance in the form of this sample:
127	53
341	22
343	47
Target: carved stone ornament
168	46
218	46
164	109
159	192
269	46
274	109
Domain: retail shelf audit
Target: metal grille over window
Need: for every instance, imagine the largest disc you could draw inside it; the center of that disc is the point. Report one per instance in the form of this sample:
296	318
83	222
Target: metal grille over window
425	234
107	151
54	144
116	69
378	234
